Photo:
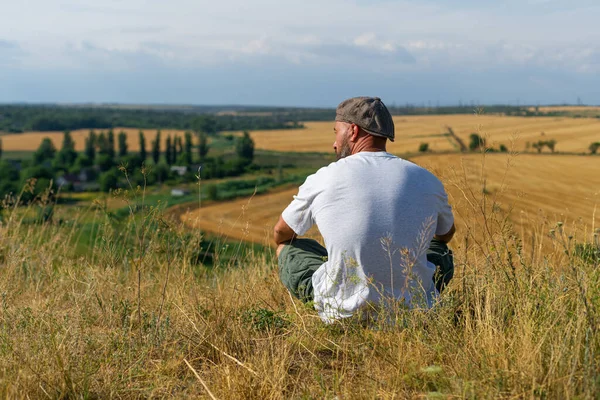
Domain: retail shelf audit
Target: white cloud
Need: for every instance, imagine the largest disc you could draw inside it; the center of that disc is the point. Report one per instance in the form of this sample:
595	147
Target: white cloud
410	36
203	32
365	39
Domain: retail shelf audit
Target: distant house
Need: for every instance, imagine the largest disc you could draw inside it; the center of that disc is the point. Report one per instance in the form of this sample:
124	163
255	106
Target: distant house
83	176
179	192
68	180
77	182
181	170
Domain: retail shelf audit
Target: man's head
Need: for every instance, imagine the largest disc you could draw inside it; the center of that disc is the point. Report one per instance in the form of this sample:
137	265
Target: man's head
362	123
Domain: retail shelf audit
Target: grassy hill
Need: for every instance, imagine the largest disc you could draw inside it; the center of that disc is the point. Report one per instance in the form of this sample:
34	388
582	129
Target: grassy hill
141	315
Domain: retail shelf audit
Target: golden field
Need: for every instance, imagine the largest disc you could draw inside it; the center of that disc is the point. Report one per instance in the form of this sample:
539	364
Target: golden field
536	191
571	134
30	141
572	109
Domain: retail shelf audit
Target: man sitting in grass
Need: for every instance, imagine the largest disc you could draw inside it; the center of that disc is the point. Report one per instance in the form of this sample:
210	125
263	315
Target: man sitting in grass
385	222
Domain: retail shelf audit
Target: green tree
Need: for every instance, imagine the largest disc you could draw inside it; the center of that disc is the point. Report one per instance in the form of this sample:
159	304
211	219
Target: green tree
160	172
105	162
503	149
424	147
156	148
178	148
106	157
110	143
9	179
43	176
244	148
187	150
122	144
594	147
45	152
82	161
90	146
102	143
65	158
206	124
169	151
109	180
143	154
476	142
538	146
134	162
202	145
551	144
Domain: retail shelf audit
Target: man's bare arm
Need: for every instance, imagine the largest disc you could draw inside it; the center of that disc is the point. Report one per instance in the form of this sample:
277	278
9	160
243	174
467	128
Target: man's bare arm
282	232
446	237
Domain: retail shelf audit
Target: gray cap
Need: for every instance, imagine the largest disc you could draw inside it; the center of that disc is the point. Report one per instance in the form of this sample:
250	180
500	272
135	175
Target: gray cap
369	113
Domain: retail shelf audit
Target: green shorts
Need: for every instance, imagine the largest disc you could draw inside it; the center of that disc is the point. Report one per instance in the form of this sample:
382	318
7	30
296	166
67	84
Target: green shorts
299	260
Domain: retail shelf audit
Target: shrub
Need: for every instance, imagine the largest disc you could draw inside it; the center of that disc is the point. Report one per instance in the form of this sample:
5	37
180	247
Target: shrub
476	142
109	180
212	192
424	147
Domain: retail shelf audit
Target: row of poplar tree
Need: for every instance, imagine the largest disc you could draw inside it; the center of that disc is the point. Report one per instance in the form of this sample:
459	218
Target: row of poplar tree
100	149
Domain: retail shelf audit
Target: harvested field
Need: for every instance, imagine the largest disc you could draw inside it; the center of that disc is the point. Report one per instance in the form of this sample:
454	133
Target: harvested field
571	134
30	141
249	219
573	109
537	191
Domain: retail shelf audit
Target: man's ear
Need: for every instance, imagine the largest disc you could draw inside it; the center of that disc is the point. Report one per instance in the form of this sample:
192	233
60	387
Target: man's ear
354	133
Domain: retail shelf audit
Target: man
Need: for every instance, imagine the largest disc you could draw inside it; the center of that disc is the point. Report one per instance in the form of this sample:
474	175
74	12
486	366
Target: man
377	214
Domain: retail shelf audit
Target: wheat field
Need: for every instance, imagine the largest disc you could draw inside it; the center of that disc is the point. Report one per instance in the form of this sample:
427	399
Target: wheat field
573	109
536	191
571	134
30	141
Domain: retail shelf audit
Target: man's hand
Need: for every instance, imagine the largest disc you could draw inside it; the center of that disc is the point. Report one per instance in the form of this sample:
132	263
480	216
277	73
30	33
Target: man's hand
446	237
282	232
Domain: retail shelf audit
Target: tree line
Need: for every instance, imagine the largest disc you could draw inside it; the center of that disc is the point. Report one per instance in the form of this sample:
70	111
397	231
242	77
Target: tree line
19	118
23	118
106	159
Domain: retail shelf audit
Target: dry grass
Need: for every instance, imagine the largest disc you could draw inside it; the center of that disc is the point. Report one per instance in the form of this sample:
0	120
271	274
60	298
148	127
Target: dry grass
145	321
30	141
571	134
534	191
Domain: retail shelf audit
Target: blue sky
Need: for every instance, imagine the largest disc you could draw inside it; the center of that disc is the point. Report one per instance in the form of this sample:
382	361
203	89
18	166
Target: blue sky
308	53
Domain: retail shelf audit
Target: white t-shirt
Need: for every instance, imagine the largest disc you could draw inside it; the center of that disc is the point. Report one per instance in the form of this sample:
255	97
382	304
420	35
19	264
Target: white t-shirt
377	214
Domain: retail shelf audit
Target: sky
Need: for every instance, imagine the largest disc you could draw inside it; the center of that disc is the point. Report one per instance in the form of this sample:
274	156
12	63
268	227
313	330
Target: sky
301	53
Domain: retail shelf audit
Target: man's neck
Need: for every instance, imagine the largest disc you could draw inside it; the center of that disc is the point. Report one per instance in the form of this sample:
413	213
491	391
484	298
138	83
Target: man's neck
368	147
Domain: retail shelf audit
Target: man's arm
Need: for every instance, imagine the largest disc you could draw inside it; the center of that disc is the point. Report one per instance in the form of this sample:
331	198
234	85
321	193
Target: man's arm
446	237
282	232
